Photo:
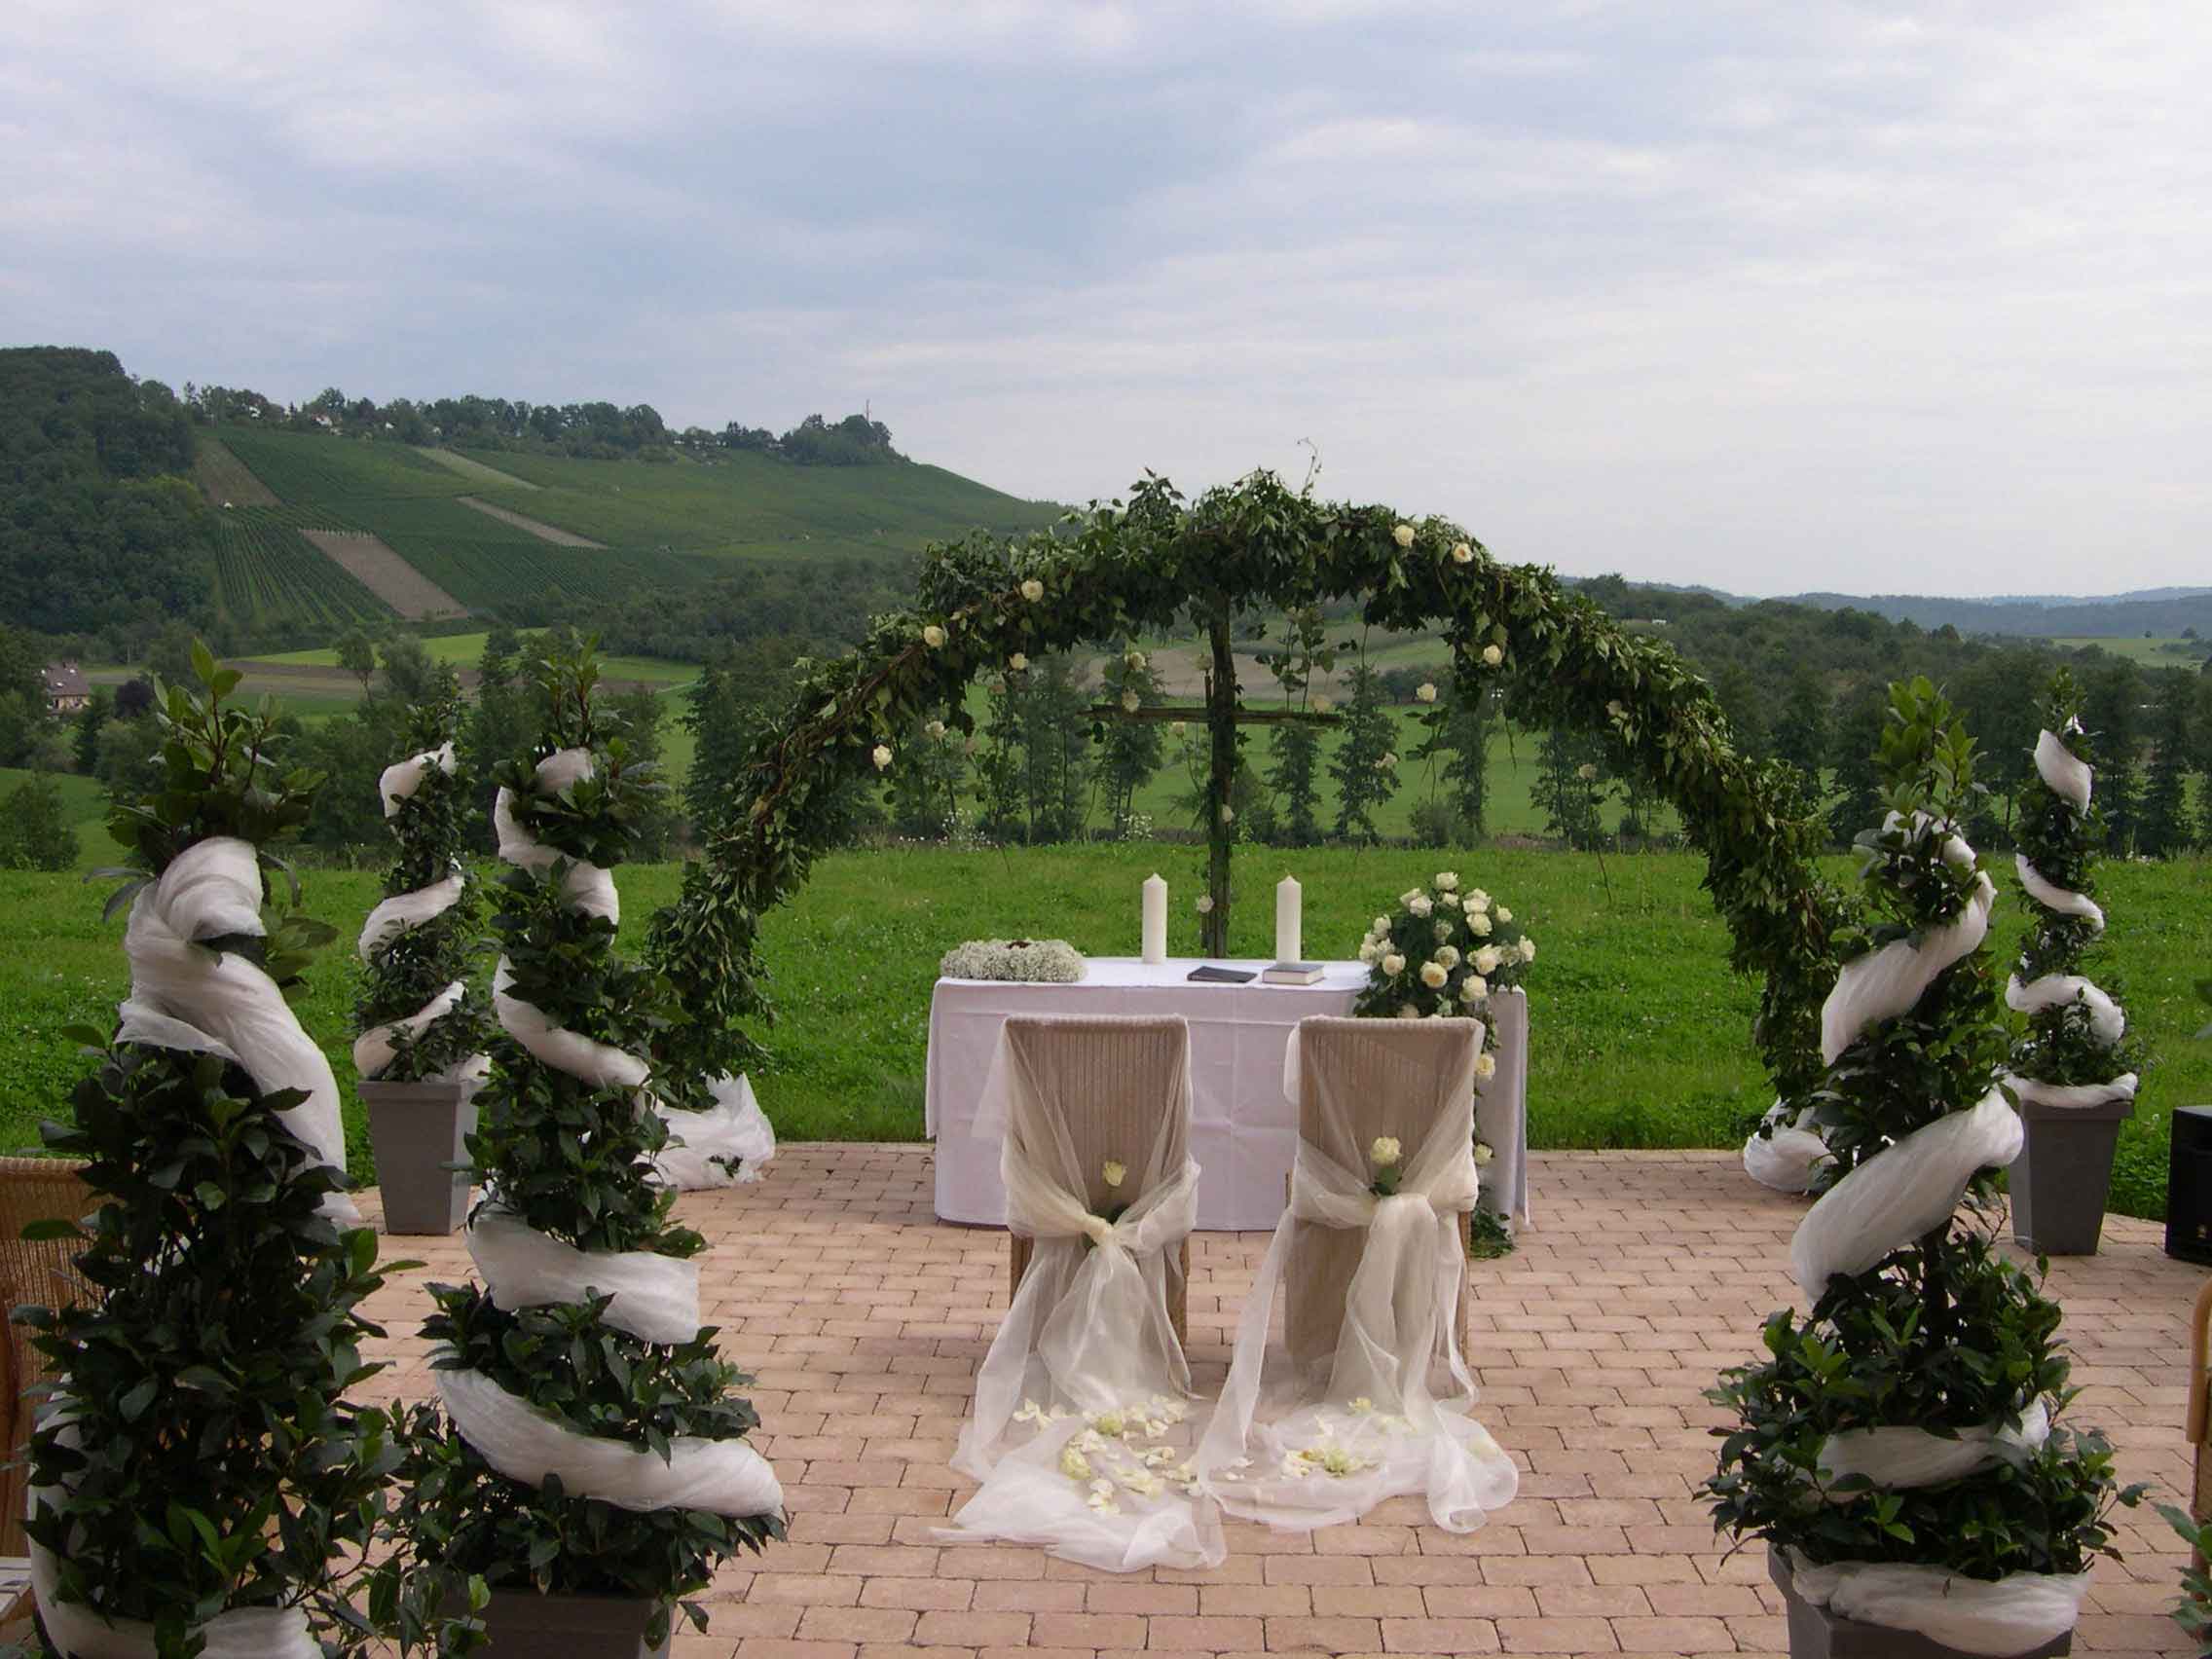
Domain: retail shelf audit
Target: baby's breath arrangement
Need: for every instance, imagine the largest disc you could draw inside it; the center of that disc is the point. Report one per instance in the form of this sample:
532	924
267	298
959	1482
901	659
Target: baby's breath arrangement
1031	961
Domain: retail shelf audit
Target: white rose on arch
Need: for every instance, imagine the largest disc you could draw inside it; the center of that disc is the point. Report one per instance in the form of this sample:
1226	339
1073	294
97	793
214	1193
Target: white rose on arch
1018	662
933	636
1033	590
1425	692
1462	554
1132	702
1403	536
936	730
1493	657
881	757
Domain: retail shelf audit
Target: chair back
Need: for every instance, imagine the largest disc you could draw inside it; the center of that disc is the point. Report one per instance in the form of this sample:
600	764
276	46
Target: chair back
42	1274
1359	1080
1110	1086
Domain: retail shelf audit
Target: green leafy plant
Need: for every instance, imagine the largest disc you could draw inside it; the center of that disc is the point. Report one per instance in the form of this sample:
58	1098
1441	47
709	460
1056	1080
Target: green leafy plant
411	967
1940	1333
570	1158
199	1453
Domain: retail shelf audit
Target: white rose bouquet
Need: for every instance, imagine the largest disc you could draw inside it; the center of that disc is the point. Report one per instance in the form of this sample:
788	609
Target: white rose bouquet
1442	950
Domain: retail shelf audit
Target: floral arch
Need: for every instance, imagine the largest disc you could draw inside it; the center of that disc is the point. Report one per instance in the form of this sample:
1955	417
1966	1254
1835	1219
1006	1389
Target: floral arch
1118	569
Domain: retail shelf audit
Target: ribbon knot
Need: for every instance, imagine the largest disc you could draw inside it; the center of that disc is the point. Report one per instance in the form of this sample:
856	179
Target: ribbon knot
1099	1228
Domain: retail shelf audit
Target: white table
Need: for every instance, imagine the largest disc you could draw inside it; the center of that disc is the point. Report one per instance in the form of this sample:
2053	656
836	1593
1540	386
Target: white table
1243	1133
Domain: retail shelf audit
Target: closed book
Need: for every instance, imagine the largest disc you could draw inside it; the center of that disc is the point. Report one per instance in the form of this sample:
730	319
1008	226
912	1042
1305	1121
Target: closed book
1292	973
1209	975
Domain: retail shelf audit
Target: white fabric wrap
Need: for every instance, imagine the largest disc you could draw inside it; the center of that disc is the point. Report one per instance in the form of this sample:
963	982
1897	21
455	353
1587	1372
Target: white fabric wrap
2029	1092
401	780
656	1298
2012	1615
2063	772
1788	1159
1901	1193
1089	1328
77	1630
524	1444
374	1049
404	910
703	1145
2052	897
586	887
2054	990
184	996
1883	984
1906	1457
1396	1393
600	1064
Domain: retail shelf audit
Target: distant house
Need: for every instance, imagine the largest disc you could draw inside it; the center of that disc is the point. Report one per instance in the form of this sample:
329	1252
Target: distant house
67	691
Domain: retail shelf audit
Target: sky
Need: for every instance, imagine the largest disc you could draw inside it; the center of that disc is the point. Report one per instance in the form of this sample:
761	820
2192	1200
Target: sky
1776	297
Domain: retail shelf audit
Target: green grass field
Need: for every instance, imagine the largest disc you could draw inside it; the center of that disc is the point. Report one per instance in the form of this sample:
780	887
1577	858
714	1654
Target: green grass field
2149	653
464	650
1640	1034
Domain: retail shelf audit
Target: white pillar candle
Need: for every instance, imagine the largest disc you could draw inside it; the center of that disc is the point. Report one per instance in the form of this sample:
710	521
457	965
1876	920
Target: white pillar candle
1154	920
1288	896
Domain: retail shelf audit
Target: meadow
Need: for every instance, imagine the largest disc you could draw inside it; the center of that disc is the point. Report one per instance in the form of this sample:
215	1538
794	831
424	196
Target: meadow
1641	1033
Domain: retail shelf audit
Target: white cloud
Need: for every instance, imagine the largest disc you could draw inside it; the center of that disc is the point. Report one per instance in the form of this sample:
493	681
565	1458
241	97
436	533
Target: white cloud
1769	298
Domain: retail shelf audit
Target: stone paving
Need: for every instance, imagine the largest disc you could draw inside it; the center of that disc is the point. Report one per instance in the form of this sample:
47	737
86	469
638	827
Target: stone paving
863	1321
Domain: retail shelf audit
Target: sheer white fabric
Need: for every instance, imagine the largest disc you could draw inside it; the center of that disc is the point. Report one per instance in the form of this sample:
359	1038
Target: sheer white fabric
656	1298
2012	1615
704	1146
1902	1457
1080	1433
184	995
1366	1394
1789	1159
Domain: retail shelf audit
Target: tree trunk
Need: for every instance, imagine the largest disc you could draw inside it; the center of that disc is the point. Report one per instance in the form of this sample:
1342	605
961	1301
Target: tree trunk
1221	718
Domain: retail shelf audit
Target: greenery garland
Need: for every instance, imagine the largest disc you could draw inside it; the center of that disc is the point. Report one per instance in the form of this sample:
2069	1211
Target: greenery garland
1122	569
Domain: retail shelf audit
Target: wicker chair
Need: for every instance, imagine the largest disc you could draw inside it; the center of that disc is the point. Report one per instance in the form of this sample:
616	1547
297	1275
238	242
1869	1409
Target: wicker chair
1116	1079
31	1189
1391	1069
2199	1427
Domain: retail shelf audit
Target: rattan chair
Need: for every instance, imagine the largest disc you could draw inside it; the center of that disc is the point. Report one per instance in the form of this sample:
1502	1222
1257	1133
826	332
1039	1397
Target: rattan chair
43	1274
1390	1068
1116	1081
2200	1425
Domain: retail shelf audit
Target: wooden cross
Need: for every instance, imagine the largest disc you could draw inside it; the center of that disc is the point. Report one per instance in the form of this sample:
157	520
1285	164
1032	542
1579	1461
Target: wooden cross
1221	715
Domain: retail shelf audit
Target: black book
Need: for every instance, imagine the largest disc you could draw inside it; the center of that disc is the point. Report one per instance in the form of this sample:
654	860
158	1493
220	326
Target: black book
1206	974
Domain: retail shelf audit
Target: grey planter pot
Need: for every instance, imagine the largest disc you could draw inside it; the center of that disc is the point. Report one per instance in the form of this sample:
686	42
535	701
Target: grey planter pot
1815	1633
2060	1180
522	1624
415	1129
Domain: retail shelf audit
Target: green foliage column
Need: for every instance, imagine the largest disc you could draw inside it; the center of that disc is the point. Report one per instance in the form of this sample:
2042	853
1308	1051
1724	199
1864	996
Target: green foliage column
1905	1422
199	1474
2072	1054
419	1020
595	1445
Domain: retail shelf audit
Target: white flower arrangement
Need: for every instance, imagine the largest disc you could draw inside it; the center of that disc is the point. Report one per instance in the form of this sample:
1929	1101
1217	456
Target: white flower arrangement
1024	961
1463	945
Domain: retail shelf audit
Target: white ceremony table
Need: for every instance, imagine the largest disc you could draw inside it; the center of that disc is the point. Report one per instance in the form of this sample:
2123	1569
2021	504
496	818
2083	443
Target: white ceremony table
1243	1131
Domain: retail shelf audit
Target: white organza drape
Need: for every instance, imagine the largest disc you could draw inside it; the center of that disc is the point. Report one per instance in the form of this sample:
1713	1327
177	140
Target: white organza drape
1365	1395
1081	1429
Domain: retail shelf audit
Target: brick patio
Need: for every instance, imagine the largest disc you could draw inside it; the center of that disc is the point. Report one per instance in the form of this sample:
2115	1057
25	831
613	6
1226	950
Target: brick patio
865	1320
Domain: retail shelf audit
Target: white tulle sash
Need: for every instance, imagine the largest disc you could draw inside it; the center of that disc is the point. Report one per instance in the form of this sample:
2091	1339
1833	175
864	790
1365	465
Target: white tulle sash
656	1298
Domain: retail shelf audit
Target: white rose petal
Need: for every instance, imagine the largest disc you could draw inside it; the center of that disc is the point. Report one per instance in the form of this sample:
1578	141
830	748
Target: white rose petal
1393	964
1403	536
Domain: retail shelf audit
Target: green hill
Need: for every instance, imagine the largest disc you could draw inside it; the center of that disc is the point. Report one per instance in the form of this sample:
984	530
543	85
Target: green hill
529	537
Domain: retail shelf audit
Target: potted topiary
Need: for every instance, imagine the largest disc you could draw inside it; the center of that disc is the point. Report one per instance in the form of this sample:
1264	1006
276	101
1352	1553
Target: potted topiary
2070	1072
420	1051
1895	1449
199	1475
589	1465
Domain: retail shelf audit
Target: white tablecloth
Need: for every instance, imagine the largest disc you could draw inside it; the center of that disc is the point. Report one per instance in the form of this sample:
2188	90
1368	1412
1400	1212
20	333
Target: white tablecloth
1243	1131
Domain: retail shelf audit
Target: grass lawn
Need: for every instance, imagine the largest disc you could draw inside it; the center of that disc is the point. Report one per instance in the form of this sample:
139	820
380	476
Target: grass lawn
2159	652
464	650
1640	1034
